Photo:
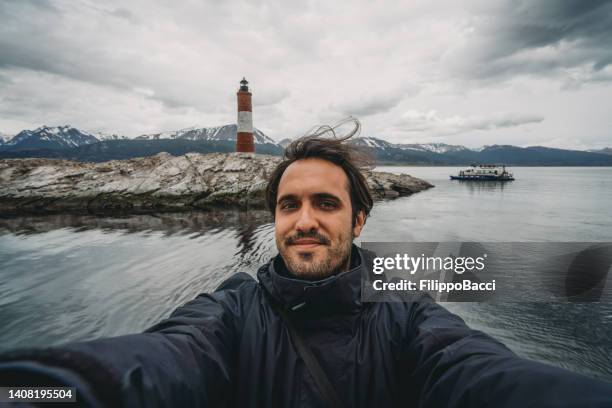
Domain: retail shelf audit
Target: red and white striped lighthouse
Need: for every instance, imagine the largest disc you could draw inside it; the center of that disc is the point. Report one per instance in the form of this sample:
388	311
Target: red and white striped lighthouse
244	137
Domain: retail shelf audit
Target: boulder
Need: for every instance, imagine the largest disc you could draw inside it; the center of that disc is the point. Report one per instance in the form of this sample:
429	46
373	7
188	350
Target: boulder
157	183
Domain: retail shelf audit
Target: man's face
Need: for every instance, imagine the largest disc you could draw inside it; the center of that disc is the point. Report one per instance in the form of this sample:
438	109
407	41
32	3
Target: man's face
313	219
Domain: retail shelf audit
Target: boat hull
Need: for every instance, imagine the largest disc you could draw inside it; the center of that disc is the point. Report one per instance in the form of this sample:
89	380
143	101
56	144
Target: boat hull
482	177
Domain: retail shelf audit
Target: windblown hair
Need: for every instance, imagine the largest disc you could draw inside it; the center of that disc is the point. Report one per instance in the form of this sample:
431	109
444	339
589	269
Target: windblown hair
334	149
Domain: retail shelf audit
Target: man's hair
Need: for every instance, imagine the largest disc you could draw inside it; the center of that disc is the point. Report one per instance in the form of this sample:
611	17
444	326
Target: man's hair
335	150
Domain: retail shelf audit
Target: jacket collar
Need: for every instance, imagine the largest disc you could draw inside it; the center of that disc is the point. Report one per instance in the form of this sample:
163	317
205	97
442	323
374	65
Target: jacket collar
336	293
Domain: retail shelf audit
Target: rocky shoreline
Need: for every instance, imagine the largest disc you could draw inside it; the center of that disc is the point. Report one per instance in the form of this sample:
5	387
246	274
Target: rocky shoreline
160	183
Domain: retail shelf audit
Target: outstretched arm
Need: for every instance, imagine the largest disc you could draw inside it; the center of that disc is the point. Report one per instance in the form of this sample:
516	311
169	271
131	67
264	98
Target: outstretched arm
450	365
185	360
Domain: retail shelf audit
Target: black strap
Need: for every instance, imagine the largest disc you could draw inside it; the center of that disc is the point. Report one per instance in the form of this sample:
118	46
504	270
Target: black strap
312	364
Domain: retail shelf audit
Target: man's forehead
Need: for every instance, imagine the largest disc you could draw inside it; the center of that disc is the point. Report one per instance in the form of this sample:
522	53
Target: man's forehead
309	176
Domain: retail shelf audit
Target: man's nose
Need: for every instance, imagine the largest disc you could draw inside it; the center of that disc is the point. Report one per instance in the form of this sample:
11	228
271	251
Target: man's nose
307	220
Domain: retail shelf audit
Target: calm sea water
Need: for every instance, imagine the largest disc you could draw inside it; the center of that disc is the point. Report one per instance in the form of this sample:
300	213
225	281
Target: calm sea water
65	278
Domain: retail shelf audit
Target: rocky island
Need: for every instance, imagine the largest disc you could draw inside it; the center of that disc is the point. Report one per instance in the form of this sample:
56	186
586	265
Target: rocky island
159	183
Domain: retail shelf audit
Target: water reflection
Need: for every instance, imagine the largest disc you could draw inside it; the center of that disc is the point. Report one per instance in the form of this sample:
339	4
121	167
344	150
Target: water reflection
65	278
168	223
476	186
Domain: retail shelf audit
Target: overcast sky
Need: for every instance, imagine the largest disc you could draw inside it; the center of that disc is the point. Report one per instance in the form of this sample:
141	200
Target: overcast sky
469	72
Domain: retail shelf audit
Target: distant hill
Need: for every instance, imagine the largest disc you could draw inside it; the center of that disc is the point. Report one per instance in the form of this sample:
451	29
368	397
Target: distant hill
67	142
440	154
542	156
423	147
424	154
605	150
130	148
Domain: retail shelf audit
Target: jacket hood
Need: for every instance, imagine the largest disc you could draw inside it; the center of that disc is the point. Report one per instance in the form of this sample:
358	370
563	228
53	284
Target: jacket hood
337	293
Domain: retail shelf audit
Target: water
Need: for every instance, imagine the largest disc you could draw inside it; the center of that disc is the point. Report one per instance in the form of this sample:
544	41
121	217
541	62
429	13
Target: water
65	278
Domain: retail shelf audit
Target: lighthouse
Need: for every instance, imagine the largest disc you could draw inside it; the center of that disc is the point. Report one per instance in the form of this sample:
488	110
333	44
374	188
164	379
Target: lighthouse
244	136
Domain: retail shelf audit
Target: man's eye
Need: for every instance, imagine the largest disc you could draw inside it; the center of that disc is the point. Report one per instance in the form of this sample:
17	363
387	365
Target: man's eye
328	204
288	205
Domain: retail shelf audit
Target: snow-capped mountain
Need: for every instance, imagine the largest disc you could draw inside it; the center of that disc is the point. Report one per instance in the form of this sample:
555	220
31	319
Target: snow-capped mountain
372	142
440	148
434	147
173	134
46	137
376	143
5	138
102	136
221	133
62	137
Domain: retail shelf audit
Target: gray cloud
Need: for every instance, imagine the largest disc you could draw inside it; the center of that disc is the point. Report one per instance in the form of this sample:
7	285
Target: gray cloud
8	6
92	45
435	125
271	96
367	105
124	13
143	66
535	38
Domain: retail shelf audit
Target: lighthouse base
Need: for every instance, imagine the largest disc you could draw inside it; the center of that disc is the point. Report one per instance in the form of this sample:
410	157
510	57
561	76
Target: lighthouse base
245	143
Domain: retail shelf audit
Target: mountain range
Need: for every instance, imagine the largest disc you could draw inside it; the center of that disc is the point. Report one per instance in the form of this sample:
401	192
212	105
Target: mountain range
605	150
62	137
68	142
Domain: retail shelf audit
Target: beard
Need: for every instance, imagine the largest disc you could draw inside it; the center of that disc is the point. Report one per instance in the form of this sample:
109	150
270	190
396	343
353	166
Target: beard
329	259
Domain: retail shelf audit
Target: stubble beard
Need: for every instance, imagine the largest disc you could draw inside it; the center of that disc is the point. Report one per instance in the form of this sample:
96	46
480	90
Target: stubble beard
303	266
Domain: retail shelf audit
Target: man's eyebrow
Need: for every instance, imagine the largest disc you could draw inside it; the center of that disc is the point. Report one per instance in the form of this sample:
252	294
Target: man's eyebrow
286	197
319	196
326	196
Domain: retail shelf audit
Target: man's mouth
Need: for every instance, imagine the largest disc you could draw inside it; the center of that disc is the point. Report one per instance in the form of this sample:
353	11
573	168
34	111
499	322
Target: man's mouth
306	243
309	241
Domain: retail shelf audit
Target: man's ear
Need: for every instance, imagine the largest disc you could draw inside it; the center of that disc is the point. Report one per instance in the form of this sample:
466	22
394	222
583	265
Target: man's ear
359	223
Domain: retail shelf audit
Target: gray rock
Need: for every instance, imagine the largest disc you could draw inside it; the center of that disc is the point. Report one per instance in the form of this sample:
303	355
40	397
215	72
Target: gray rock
154	184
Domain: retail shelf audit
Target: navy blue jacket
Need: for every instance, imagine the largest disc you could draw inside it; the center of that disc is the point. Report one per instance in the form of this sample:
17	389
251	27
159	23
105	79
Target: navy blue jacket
231	348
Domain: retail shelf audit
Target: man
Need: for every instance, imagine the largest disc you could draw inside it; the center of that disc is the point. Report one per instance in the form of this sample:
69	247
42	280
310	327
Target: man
300	335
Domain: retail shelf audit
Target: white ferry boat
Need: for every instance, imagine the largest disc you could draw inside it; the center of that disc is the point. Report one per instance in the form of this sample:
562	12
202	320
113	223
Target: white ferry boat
488	172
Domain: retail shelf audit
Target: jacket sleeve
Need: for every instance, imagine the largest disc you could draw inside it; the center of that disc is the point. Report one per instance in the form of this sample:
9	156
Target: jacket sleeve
447	364
185	360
